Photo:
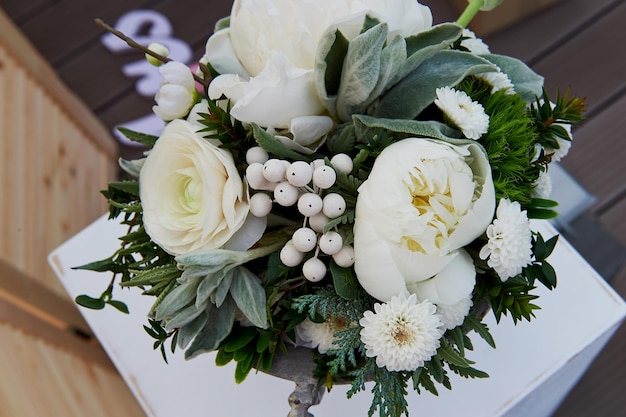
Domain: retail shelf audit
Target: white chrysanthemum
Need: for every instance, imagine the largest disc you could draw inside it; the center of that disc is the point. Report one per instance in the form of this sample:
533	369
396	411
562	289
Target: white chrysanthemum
319	335
509	246
564	144
454	315
402	334
473	44
467	115
543	185
498	81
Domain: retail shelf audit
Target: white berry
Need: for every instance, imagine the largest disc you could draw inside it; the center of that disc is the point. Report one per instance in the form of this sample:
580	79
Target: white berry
290	256
314	270
324	177
342	162
331	243
260	204
299	174
256	154
274	170
304	239
318	222
309	204
317	163
286	194
334	205
255	178
345	257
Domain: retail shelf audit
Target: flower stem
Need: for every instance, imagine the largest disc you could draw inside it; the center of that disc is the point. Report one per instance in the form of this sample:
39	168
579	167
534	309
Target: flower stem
133	44
470	11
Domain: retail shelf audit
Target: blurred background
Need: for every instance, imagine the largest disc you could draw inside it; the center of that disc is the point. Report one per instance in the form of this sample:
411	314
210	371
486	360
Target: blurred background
65	85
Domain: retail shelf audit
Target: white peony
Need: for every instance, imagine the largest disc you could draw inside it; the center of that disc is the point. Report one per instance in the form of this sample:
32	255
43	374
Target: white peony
423	201
177	92
192	195
267	55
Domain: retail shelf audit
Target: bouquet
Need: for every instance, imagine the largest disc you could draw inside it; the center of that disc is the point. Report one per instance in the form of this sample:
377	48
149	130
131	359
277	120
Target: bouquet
344	177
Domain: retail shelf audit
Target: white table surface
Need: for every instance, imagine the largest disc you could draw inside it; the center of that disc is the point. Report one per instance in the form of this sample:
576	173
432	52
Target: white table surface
574	323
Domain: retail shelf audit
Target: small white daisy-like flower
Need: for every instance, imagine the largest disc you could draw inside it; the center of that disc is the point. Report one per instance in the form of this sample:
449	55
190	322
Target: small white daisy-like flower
498	81
454	315
509	248
473	44
564	144
401	334
543	186
319	335
467	115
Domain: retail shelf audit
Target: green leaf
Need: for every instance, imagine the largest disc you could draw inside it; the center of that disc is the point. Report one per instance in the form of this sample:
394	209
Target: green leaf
426	44
119	305
409	97
448	354
190	330
98	266
222	23
526	82
185	316
248	293
331	53
413	128
361	68
243	368
90	302
474	323
549	275
543	203
273	145
344	281
131	167
142	138
130	187
241	338
178	299
541	214
223	358
217	328
153	276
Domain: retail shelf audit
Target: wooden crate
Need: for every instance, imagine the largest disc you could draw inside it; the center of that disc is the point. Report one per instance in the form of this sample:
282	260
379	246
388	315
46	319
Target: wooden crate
55	156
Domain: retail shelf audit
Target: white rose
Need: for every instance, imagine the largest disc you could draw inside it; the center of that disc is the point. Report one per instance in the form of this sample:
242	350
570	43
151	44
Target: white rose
177	92
267	55
422	203
192	195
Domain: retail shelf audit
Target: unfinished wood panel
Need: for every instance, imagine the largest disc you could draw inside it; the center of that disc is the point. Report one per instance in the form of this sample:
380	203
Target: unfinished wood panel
51	174
41	380
597	156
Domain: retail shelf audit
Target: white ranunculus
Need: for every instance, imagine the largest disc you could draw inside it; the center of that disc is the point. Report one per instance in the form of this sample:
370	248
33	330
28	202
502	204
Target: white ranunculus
267	55
192	195
422	203
177	92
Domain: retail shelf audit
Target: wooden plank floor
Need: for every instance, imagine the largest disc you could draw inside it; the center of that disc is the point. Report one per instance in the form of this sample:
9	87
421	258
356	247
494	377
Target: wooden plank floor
575	43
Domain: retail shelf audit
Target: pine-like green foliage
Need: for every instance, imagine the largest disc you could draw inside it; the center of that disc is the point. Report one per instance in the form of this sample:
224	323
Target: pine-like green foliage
510	141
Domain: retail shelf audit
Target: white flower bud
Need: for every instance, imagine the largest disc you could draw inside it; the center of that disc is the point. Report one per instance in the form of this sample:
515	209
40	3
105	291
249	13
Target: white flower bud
342	162
256	154
324	177
310	204
334	205
314	270
304	239
299	174
290	256
260	204
286	194
345	257
159	49
331	243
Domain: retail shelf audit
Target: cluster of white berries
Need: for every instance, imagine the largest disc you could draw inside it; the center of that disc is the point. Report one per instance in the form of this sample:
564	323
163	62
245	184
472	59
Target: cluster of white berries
302	184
